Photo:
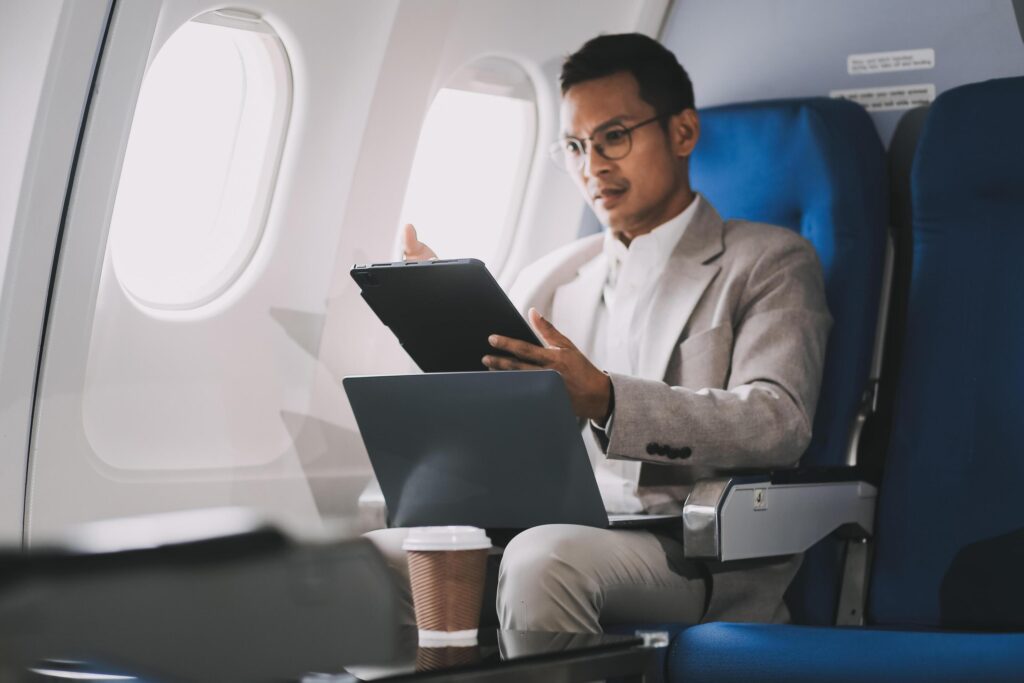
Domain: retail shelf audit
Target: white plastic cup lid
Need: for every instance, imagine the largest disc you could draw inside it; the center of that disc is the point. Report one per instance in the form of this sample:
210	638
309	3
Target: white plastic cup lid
446	538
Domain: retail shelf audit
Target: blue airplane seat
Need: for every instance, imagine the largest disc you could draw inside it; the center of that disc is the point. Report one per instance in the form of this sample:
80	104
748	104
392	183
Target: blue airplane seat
946	597
816	166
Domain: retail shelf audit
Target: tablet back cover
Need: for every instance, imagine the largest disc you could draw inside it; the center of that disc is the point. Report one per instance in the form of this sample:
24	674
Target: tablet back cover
442	311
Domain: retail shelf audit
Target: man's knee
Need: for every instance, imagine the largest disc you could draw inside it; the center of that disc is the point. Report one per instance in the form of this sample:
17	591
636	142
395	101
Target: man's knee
543	582
538	551
389	543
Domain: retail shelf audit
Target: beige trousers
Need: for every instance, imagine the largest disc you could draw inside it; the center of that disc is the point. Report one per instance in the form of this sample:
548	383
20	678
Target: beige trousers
568	578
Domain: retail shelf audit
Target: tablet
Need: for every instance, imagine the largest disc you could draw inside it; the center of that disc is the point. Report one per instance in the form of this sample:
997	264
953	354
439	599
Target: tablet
442	311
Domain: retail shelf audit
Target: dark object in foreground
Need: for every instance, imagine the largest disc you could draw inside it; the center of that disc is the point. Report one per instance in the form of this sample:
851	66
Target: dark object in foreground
242	603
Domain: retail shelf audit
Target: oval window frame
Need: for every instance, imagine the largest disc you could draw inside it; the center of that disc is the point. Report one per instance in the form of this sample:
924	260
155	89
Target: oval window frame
503	75
243	255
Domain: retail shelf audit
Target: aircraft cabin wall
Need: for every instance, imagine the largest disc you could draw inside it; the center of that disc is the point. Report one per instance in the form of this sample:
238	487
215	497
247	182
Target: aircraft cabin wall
753	50
47	54
234	164
20	91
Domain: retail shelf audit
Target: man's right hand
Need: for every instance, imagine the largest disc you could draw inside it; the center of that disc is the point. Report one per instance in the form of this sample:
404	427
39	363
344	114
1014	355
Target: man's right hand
412	248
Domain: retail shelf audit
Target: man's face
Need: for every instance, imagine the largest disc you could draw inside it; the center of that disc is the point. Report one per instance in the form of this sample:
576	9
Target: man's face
647	187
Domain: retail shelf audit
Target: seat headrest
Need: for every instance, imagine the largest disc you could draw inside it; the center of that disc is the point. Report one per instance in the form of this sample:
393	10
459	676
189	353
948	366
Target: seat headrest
814	165
970	158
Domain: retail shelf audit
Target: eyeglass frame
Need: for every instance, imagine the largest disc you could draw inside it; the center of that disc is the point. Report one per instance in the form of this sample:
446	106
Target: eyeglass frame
558	155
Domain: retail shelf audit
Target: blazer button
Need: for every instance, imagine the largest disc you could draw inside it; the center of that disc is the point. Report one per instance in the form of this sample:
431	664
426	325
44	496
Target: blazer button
652	448
664	450
685	452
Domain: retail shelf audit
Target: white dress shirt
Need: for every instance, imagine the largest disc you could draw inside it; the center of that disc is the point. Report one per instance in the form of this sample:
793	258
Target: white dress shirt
623	317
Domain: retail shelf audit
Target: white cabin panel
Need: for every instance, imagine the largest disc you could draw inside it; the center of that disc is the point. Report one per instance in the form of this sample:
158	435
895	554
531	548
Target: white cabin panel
48	52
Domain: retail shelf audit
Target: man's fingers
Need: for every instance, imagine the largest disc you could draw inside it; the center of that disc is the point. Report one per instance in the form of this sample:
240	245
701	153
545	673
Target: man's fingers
548	332
412	248
409	240
524	350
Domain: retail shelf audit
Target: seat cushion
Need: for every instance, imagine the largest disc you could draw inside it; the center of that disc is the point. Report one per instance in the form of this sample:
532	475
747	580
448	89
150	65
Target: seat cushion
659	673
741	653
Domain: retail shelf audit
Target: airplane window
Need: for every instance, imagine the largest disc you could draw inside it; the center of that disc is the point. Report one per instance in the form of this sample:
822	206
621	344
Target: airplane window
201	162
472	161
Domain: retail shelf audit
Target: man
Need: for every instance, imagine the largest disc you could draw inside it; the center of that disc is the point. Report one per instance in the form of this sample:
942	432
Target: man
691	346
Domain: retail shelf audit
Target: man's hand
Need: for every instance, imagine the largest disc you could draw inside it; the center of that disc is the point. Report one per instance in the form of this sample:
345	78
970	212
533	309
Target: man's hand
589	388
412	248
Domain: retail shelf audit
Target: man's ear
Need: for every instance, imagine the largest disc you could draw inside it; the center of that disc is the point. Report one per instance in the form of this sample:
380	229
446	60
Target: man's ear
685	131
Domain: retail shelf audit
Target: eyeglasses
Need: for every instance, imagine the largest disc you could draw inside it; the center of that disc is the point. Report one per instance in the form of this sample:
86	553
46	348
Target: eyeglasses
612	142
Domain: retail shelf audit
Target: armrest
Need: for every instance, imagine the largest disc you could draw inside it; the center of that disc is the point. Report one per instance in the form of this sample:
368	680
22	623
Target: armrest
780	513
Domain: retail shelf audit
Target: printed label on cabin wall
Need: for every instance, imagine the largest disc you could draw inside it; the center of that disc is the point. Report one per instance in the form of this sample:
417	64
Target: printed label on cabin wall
889	98
881	62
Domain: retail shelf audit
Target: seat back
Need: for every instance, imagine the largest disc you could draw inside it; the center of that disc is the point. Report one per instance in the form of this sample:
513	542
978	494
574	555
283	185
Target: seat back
816	166
950	528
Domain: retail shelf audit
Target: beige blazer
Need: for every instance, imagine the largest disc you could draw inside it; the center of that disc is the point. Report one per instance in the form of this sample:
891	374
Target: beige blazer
729	371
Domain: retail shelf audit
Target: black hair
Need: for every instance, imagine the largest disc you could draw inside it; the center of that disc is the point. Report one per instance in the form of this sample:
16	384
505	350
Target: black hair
664	83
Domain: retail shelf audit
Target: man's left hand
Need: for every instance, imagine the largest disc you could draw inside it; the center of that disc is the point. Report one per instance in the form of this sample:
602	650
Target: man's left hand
589	388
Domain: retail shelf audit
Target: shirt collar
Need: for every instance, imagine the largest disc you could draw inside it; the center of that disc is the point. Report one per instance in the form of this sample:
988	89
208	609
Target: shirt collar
651	250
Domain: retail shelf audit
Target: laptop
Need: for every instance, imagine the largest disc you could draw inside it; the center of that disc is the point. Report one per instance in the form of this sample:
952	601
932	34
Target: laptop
497	450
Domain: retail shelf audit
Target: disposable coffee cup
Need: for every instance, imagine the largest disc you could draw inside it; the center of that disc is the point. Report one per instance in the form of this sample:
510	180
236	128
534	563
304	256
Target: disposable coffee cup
447	566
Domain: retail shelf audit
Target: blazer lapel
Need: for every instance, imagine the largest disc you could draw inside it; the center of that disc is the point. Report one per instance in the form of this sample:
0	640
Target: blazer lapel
574	310
680	287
